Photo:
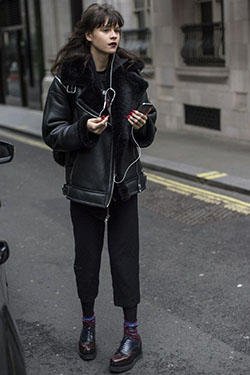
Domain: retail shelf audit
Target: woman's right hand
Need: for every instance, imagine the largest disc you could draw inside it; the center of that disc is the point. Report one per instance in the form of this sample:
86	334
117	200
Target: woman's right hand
97	125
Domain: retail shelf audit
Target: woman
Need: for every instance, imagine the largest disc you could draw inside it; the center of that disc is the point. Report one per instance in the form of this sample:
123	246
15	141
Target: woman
90	119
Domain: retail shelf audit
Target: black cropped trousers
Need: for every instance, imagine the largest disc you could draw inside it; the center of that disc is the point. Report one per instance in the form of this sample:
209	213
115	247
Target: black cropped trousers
123	246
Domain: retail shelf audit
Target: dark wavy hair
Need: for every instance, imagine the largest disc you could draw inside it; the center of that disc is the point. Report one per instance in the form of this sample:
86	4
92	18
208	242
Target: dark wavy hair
78	47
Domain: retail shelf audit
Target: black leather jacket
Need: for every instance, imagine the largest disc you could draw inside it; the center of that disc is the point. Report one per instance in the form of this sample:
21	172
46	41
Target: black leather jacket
95	162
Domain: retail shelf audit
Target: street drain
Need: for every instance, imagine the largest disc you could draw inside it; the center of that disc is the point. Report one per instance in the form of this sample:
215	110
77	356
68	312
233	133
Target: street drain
186	208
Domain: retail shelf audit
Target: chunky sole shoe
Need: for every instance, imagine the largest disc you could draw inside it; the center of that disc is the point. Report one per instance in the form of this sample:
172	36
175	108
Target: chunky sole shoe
126	366
87	356
86	345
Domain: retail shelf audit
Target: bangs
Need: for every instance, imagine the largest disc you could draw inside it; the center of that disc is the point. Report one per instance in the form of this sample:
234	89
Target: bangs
107	17
113	20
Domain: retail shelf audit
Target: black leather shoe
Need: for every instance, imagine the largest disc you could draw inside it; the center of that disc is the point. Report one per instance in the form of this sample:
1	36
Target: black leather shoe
128	353
87	346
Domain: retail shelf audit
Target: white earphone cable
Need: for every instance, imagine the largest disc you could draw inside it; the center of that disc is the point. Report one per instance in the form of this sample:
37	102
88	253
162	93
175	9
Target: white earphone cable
105	92
135	161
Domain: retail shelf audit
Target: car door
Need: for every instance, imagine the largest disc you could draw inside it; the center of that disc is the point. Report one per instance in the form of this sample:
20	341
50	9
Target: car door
11	354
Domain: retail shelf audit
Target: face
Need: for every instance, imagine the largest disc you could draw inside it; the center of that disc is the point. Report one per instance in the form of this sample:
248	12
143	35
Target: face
104	39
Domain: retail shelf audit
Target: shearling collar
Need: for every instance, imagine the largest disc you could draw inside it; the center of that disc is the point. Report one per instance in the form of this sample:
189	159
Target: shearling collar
74	73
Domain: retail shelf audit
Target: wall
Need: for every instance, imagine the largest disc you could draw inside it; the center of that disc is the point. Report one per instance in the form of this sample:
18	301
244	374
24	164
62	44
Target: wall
56	25
176	84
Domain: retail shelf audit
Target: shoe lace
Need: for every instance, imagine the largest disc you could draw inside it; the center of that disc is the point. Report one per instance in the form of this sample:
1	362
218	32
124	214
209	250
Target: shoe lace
124	345
88	332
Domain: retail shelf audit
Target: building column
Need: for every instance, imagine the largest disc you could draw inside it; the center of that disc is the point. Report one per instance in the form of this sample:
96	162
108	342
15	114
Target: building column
163	36
56	26
237	57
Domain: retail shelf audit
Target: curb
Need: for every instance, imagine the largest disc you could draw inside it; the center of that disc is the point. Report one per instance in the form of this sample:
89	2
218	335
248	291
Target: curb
230	183
21	131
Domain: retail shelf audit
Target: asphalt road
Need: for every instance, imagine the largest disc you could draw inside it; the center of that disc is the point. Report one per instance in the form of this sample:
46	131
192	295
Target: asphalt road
195	280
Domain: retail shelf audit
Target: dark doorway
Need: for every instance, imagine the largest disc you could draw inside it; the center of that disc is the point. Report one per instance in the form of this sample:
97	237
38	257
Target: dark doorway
12	68
76	11
21	53
11	54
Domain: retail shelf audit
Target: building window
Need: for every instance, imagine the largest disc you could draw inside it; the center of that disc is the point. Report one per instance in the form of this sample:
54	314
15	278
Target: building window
138	40
205	117
204	41
206	9
21	53
10	13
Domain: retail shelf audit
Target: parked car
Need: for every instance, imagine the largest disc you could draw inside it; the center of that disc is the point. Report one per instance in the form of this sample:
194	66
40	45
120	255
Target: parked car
11	353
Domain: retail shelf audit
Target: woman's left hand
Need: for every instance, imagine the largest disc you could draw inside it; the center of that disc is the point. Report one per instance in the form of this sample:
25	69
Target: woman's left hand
137	119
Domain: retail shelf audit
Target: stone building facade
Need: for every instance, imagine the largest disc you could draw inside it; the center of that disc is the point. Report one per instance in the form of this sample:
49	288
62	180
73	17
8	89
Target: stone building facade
197	58
201	62
197	55
56	26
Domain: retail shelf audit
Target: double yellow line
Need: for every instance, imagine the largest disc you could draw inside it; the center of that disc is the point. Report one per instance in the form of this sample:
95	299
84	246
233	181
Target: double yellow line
202	194
23	139
180	188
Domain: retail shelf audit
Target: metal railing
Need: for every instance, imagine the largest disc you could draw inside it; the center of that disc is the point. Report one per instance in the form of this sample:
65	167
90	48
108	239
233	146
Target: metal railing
204	44
138	41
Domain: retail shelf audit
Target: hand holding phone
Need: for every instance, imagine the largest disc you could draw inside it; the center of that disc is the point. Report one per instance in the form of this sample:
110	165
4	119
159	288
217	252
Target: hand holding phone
145	108
138	118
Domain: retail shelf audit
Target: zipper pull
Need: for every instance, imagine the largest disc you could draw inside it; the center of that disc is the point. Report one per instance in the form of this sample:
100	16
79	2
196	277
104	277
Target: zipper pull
107	216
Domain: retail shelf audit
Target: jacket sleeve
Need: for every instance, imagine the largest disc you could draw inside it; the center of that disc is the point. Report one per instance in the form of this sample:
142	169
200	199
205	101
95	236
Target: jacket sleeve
145	136
59	132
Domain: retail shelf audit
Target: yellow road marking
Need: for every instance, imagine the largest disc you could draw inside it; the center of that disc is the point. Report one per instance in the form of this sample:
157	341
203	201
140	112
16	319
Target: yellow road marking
211	175
25	127
180	188
202	194
23	139
205	174
218	175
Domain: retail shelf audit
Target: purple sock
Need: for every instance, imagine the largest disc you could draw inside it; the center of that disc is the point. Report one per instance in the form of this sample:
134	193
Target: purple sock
131	329
89	321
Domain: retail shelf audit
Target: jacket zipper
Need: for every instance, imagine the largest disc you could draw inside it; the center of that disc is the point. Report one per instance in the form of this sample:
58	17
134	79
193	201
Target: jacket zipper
79	105
113	183
90	113
85	110
111	194
112	189
107	216
113	178
95	116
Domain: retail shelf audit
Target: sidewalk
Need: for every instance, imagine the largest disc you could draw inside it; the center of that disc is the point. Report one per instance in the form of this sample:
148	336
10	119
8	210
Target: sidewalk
210	159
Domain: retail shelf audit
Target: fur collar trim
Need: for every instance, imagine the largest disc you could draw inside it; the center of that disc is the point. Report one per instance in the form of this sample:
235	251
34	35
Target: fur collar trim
75	73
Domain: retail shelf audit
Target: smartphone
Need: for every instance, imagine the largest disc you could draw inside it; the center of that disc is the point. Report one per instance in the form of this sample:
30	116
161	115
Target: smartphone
145	108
